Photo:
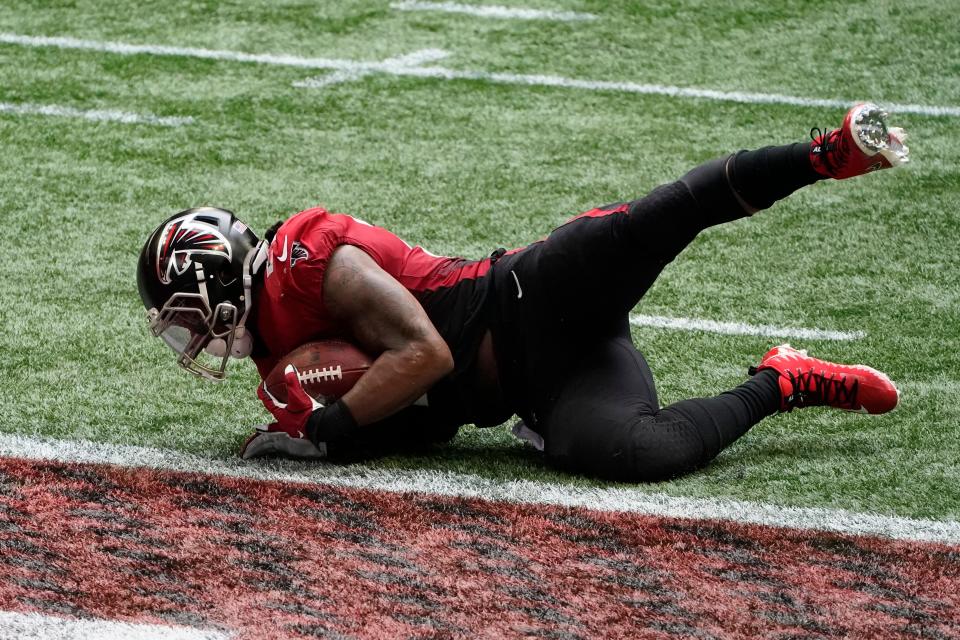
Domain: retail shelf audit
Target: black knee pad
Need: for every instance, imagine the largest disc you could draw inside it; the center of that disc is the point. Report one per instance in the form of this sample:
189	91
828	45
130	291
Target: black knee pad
645	450
663	448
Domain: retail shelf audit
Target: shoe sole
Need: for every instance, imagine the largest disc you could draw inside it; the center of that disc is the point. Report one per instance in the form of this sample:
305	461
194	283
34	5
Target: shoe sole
868	125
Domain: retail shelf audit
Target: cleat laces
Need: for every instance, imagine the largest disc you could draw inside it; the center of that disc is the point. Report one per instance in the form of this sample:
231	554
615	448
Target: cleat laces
823	147
807	382
811	388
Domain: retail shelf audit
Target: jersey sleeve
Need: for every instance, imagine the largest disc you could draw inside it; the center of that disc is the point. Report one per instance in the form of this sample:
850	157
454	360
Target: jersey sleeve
309	256
290	310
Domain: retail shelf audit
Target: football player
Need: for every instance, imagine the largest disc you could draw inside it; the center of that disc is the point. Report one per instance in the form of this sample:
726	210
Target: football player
541	331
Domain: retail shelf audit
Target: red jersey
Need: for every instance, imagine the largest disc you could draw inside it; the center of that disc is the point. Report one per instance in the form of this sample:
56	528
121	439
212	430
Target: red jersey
289	311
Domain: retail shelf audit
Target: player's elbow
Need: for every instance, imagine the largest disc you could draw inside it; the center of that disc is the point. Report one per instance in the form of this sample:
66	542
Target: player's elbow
443	358
434	357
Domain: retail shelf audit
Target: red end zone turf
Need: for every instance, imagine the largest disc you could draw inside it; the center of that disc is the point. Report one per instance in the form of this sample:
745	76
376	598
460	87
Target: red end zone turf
280	560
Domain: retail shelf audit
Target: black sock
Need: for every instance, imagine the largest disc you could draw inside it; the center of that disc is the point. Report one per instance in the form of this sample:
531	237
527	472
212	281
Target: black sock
763	176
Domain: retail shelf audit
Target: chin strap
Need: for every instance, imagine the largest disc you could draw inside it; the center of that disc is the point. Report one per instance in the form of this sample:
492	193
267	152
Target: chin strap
252	264
255	259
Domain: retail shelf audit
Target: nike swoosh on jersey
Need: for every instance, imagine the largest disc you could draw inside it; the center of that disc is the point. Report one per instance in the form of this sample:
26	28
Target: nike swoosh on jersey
283	256
517	280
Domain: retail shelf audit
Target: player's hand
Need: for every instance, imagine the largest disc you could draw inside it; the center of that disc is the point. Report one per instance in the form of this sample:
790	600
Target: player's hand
291	416
268	440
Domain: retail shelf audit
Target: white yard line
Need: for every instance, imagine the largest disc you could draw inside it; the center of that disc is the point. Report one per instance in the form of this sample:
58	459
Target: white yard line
941	386
493	11
666	90
97	115
443	73
614	499
742	328
122	48
349	75
35	626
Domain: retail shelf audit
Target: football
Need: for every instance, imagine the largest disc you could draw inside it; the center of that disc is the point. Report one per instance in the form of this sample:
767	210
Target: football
327	369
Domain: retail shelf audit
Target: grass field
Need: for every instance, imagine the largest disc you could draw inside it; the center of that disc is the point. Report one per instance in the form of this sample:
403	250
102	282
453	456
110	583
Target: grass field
465	165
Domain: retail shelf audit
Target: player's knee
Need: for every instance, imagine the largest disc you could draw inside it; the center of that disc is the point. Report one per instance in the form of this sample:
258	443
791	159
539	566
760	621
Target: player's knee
710	187
588	446
664	453
640	450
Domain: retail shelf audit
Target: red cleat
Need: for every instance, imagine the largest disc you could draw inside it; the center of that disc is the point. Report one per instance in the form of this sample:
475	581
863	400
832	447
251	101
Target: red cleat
809	382
862	144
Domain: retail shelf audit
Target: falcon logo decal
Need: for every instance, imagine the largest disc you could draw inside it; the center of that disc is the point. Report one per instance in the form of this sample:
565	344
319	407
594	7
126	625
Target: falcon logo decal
181	240
299	252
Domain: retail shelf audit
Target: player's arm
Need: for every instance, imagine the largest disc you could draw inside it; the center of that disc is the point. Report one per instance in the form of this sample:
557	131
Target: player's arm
383	318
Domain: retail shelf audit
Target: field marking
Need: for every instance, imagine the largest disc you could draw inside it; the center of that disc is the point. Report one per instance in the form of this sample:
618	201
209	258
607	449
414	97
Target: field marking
492	11
96	115
349	75
126	49
36	626
446	483
666	90
937	386
443	73
742	328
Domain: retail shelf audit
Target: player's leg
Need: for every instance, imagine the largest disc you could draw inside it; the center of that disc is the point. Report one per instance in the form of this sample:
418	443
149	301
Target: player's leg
604	419
607	258
599	265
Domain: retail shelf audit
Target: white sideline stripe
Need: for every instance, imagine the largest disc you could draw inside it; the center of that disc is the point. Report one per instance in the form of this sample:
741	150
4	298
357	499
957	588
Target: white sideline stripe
493	11
35	626
614	499
453	74
742	328
97	115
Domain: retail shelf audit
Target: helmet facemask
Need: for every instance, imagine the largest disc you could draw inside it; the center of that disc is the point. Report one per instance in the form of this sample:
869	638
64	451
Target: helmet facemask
187	324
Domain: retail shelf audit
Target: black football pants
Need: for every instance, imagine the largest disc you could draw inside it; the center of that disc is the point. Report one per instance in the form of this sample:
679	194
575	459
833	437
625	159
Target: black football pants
561	332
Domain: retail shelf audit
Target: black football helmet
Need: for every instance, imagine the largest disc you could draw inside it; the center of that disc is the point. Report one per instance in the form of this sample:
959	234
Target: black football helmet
195	276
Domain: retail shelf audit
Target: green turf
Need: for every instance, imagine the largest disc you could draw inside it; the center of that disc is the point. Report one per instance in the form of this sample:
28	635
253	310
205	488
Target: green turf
465	166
